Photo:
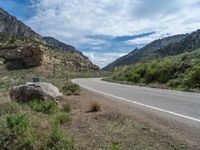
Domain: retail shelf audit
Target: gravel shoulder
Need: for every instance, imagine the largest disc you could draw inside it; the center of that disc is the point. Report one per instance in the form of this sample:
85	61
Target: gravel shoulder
128	126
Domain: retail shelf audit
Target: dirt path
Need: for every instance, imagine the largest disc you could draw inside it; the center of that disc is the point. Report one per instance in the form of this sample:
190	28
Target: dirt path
126	125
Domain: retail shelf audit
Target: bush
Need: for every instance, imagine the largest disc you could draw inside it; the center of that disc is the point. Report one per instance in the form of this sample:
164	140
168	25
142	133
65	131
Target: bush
151	75
167	68
192	77
71	89
66	107
160	71
16	133
174	83
95	107
47	107
62	118
58	140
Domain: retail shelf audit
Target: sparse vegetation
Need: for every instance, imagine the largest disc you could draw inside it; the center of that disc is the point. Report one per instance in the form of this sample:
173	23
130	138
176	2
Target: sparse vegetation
16	133
66	107
47	107
21	126
114	147
95	107
51	131
71	89
9	108
58	140
5	85
62	118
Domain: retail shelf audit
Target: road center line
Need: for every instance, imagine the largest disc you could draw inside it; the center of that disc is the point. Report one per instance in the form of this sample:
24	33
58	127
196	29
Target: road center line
144	105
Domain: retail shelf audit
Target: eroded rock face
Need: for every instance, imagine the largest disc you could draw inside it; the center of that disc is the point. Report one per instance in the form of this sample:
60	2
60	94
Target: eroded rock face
10	24
22	57
35	91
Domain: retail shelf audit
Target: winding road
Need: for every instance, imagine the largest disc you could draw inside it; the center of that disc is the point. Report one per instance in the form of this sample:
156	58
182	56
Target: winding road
184	106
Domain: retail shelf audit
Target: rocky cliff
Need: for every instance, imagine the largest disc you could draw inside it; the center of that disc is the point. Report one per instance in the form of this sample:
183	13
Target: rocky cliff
10	24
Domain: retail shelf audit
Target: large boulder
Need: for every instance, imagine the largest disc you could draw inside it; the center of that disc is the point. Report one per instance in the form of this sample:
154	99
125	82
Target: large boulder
35	91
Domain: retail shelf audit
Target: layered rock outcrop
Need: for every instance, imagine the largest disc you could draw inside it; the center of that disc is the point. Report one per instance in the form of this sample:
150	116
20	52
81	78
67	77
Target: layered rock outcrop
22	57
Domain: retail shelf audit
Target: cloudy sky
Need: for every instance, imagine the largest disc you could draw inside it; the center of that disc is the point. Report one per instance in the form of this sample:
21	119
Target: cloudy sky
107	29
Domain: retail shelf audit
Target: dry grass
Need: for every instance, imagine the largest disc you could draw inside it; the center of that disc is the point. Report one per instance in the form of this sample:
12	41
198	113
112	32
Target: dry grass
95	107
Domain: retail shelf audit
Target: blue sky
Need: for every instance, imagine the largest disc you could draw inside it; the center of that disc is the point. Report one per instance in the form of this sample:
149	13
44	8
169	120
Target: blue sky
107	29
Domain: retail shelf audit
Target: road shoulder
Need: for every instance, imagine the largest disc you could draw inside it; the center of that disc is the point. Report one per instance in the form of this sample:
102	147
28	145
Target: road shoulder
166	134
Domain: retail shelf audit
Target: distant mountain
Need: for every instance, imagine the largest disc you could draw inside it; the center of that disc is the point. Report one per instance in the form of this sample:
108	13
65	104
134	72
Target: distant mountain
191	42
144	53
21	47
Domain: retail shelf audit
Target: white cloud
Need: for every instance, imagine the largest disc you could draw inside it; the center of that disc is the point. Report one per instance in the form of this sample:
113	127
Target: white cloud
102	59
72	20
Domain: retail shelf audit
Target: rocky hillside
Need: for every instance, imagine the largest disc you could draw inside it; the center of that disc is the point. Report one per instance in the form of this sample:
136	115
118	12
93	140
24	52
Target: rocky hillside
62	46
22	48
143	54
191	42
10	24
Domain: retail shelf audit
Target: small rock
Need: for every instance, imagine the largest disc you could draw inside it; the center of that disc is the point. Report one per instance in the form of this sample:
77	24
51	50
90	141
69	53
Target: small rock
31	91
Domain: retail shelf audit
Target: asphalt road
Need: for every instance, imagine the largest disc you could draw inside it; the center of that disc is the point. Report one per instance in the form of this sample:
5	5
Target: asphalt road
182	105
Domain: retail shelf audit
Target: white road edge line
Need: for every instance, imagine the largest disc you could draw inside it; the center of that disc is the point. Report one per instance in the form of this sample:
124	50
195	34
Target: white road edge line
144	105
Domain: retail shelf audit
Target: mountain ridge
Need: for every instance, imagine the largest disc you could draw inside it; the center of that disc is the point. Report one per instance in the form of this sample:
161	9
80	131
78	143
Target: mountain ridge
61	45
11	25
140	54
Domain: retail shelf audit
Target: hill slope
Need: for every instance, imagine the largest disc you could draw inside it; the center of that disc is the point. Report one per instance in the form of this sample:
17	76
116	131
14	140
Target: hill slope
180	72
60	45
159	48
22	48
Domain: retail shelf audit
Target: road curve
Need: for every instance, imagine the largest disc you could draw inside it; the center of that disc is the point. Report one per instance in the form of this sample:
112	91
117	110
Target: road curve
184	105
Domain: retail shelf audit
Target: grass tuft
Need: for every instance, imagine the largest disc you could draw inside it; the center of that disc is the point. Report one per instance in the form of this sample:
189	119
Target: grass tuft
62	118
16	133
47	107
95	107
71	89
66	107
10	108
58	140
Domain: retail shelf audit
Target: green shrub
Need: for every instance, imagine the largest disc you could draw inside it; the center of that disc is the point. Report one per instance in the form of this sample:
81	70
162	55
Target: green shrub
66	107
133	77
192	77
166	69
160	71
58	140
151	75
71	89
62	118
45	106
16	133
4	85
175	83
